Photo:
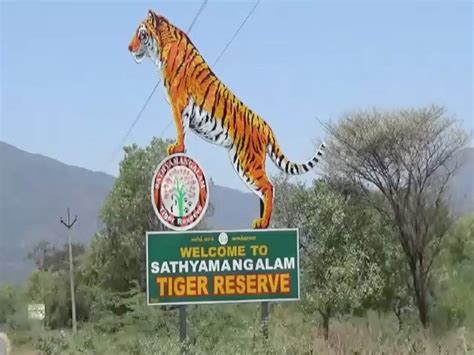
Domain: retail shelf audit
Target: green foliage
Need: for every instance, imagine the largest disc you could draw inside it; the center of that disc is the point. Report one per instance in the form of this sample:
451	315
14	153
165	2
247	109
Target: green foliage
52	343
13	309
385	251
53	289
48	257
8	301
234	329
287	209
454	301
117	255
408	156
346	259
338	270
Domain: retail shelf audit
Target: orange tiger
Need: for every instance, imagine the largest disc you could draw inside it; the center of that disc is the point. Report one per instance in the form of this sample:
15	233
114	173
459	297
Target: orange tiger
202	103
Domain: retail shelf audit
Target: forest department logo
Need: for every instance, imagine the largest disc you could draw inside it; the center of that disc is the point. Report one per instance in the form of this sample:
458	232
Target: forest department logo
180	192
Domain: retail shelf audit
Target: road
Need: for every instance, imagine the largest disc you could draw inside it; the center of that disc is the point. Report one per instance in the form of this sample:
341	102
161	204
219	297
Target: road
4	344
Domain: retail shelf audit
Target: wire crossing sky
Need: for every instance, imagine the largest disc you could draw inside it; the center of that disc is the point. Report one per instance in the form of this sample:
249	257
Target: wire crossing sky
67	65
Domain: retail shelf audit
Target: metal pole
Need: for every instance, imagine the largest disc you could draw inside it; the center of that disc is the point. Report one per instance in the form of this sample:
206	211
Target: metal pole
265	319
183	330
71	269
265	314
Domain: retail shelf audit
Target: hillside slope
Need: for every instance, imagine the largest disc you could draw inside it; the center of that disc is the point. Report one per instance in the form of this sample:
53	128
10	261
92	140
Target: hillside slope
36	190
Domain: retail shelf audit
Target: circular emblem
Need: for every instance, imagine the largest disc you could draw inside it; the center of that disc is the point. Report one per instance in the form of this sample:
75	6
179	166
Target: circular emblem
179	192
223	238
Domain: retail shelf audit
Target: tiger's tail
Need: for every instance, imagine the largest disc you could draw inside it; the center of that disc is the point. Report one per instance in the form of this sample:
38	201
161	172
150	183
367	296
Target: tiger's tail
285	165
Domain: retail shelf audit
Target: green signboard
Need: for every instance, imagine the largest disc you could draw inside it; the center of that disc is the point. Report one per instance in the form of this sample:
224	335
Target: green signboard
196	267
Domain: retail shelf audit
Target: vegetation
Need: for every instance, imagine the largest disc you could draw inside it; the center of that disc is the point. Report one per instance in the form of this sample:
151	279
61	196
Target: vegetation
339	272
117	254
409	157
377	245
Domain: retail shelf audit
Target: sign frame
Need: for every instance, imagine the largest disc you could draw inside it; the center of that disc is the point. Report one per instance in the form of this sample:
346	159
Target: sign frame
163	233
36	311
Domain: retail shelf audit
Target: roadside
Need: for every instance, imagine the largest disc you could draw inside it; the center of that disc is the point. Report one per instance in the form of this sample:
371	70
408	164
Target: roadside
5	347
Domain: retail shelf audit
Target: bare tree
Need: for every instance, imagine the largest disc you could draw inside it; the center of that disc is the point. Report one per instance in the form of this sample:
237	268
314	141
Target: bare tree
409	156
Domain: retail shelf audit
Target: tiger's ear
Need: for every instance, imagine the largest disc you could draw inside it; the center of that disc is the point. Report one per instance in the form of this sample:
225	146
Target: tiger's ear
152	17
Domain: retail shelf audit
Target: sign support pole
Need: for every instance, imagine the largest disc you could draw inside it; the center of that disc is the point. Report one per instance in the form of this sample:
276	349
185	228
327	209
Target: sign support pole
265	319
183	326
265	313
183	330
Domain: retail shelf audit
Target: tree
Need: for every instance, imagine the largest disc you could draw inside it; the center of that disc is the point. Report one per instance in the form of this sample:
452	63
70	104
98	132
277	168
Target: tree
287	210
454	304
50	283
117	258
338	272
48	257
409	156
13	309
387	254
384	250
8	301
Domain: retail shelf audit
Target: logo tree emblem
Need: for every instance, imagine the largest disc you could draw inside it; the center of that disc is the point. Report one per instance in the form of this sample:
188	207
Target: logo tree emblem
183	194
180	193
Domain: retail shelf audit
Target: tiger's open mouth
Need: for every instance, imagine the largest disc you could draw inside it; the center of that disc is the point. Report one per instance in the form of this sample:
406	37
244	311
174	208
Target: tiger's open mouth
138	56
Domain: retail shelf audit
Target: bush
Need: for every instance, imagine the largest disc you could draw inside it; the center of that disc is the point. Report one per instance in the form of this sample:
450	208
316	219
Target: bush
52	342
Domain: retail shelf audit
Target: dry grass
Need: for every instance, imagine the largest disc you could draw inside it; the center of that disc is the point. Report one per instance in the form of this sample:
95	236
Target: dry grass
380	337
370	335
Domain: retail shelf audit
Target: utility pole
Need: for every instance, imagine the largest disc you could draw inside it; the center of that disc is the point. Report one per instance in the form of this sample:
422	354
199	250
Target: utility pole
69	225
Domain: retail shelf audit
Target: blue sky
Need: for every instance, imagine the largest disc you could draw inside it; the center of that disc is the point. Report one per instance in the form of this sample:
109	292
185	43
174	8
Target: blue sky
70	89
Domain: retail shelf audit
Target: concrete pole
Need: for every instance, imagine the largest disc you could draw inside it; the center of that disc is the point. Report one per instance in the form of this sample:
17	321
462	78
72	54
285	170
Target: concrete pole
69	225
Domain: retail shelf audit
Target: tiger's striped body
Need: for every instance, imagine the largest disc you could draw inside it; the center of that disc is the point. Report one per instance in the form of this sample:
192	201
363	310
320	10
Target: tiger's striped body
201	103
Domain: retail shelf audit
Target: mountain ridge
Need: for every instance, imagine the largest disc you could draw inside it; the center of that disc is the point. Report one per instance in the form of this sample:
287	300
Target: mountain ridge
35	191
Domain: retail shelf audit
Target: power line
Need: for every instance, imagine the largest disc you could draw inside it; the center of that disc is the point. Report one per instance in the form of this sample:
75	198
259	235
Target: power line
201	9
223	51
135	121
236	33
137	118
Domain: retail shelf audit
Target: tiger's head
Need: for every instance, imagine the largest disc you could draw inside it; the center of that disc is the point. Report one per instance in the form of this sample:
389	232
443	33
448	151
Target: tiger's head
145	40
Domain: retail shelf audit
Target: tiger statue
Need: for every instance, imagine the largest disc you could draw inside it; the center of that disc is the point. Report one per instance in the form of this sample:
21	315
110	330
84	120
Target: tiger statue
201	103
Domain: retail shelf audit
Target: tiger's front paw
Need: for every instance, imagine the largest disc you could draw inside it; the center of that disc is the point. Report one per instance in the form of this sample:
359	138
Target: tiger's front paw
260	223
175	149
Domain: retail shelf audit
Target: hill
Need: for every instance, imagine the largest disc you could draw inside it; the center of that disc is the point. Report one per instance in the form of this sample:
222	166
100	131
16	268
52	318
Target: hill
461	186
36	190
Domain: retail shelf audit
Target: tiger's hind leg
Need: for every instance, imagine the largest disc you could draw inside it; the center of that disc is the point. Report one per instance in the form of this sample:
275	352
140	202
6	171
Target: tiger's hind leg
252	172
266	203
